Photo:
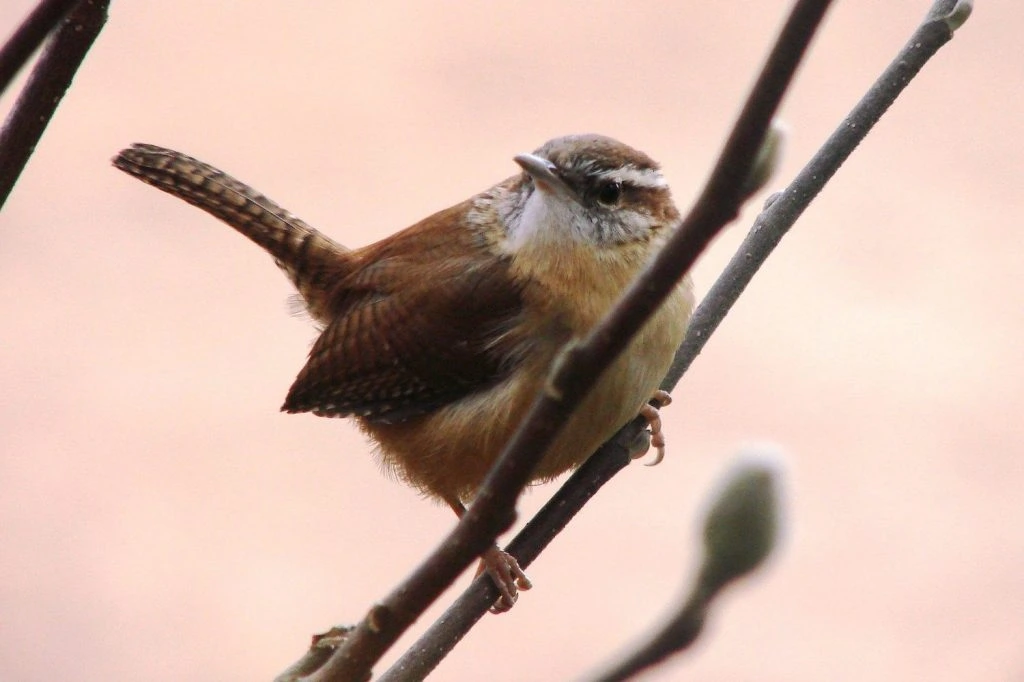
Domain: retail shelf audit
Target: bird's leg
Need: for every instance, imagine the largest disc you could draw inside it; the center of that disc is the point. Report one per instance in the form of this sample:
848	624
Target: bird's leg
503	568
657	437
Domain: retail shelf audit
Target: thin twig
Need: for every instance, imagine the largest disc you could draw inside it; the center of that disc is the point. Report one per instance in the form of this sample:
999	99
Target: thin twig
29	36
320	650
424	655
493	509
740	532
46	86
942	19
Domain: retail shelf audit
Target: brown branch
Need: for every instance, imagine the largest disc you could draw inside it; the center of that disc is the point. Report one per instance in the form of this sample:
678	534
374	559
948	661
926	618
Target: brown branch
493	509
436	643
29	36
320	650
46	86
783	209
944	17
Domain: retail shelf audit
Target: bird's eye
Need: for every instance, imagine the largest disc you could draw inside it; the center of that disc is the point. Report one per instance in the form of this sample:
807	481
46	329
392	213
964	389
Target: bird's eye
609	193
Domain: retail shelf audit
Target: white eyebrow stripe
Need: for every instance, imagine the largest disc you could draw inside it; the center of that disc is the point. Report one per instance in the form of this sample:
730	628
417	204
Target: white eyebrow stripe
631	175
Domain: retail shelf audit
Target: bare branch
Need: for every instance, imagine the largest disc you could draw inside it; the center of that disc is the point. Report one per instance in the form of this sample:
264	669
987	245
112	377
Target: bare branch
786	206
774	222
46	86
493	509
320	649
29	36
431	648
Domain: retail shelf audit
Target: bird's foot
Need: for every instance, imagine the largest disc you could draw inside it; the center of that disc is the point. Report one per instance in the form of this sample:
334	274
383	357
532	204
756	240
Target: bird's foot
507	576
653	417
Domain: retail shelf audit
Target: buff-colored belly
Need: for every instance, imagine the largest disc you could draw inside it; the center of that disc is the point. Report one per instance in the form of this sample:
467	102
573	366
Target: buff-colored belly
446	454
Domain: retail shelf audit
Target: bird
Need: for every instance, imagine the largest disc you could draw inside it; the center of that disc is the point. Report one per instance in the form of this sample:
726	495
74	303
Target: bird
437	339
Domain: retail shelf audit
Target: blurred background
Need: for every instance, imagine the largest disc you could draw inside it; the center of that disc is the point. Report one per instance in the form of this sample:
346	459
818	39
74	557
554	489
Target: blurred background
161	520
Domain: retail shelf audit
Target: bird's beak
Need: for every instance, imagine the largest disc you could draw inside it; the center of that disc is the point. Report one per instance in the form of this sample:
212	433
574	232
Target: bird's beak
543	173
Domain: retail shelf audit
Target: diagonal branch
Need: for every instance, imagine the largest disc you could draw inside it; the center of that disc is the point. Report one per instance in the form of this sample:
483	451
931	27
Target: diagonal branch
493	510
29	36
783	209
46	87
936	30
442	636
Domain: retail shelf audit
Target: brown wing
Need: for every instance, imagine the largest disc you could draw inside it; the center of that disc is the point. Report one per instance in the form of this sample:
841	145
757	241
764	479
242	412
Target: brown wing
421	321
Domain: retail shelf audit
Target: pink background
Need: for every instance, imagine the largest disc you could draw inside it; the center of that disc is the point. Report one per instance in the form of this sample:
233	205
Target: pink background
160	520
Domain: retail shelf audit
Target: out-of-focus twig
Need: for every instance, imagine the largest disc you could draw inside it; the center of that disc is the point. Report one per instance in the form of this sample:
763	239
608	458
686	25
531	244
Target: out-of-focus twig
46	86
783	208
739	533
29	36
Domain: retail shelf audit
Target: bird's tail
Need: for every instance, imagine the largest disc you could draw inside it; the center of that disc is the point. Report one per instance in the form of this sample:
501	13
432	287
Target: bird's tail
311	260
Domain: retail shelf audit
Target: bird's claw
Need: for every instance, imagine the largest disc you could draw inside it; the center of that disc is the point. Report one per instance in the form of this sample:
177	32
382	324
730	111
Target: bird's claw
653	416
508	577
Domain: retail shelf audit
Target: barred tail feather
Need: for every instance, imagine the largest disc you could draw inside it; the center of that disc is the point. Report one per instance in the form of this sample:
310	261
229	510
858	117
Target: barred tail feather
311	260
